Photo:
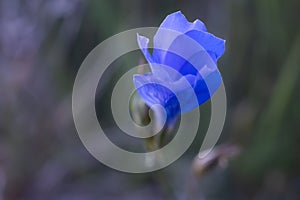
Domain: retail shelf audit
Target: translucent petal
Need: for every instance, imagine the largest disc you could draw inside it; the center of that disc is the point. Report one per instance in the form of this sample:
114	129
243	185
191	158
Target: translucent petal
177	21
210	43
155	91
143	44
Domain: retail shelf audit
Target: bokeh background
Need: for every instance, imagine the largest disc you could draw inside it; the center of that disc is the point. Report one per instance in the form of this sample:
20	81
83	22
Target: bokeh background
42	45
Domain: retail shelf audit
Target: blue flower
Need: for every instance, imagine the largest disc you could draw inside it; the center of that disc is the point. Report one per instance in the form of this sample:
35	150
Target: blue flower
183	61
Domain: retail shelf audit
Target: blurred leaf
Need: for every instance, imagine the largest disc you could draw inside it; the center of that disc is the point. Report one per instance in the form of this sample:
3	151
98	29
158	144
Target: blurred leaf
264	152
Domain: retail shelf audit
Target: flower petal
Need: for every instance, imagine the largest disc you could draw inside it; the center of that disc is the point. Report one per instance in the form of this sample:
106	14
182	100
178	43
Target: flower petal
151	89
177	21
156	68
155	91
143	44
172	40
206	84
183	46
212	44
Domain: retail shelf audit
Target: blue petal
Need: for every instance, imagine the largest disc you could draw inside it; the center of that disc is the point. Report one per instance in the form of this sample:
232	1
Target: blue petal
177	21
150	89
156	68
155	91
212	44
169	43
206	84
161	71
182	45
143	44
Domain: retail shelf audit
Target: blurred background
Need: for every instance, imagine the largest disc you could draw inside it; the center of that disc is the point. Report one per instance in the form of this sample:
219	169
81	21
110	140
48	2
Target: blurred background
42	45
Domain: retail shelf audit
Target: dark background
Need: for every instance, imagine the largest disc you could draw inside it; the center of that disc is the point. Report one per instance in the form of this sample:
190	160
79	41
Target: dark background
42	45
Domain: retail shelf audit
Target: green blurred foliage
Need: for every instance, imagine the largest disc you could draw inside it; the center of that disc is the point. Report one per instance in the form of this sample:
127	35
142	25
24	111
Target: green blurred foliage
42	45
